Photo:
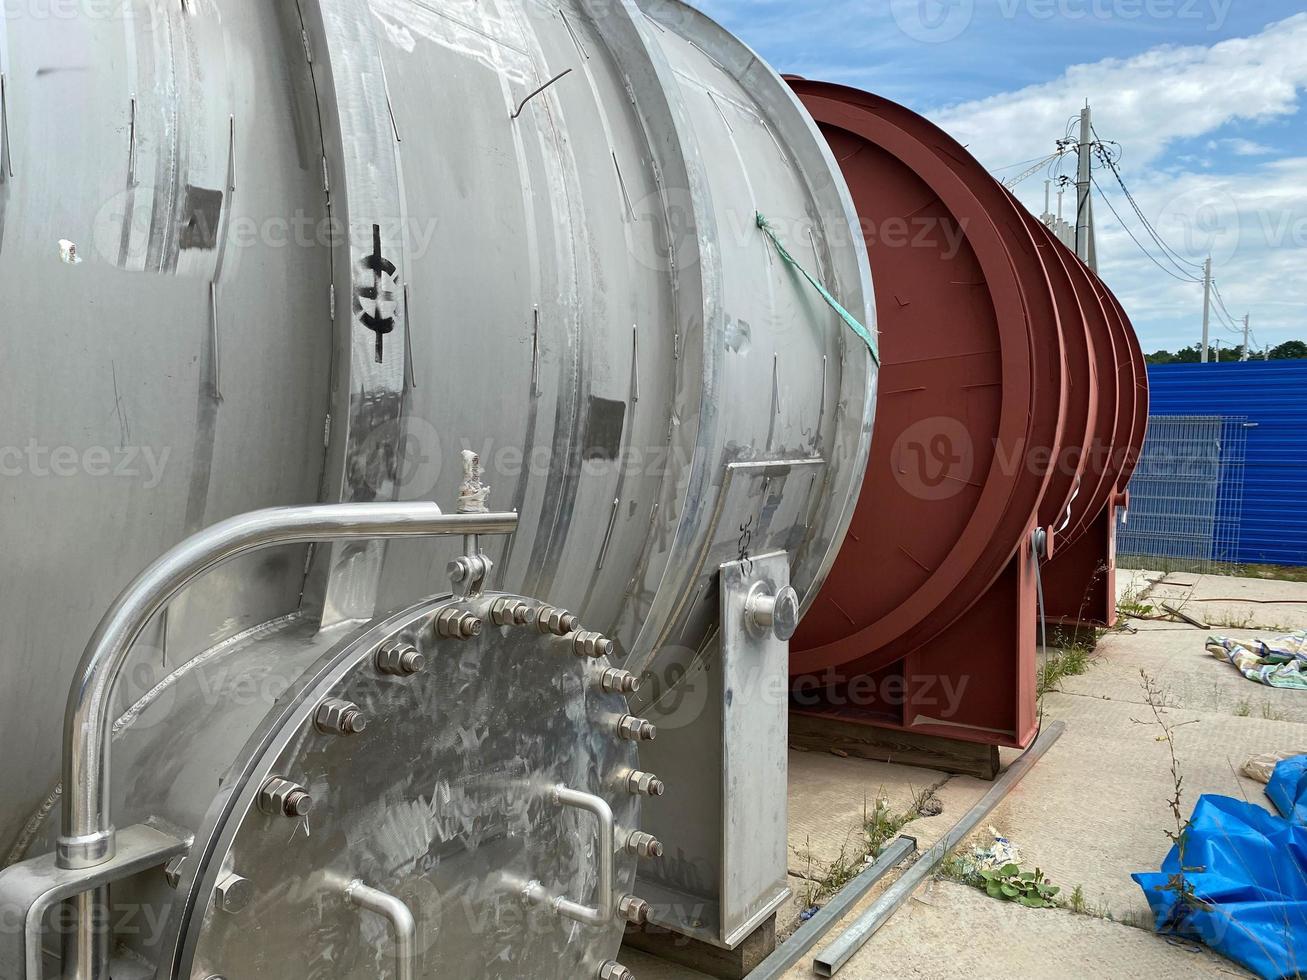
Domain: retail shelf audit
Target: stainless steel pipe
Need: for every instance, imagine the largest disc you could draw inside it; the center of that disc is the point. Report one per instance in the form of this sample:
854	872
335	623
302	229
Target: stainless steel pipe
601	912
402	924
87	831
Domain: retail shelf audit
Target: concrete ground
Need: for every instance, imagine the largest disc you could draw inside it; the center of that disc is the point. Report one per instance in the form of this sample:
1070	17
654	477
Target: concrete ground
1235	602
1091	812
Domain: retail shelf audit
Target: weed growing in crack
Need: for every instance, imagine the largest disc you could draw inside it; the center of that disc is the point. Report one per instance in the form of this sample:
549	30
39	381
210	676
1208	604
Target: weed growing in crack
880	825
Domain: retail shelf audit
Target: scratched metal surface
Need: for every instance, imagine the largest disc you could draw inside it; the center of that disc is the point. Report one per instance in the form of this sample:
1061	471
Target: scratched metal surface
277	253
440	802
174	746
120	132
623	330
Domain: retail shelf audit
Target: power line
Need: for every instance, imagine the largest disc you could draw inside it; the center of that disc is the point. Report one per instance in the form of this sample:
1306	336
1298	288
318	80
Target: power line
1022	163
1231	320
1170	253
1110	154
1166	252
1153	258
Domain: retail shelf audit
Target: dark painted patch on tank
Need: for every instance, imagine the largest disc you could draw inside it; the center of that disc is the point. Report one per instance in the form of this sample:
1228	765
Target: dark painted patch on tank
603	431
200	216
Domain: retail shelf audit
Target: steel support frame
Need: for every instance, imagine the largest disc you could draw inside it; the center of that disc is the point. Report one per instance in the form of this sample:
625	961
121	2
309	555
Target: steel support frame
975	682
722	737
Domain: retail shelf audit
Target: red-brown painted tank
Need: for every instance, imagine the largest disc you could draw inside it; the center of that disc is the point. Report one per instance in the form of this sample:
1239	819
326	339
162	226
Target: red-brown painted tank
1012	398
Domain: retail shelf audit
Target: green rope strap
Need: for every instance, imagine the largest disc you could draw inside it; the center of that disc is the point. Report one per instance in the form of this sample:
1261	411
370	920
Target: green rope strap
844	314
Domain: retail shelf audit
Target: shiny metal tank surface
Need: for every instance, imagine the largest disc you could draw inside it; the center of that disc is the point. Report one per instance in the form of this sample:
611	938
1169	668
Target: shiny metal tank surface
262	253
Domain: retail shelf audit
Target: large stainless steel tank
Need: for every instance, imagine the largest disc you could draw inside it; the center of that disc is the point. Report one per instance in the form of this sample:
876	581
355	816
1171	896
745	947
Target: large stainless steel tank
260	254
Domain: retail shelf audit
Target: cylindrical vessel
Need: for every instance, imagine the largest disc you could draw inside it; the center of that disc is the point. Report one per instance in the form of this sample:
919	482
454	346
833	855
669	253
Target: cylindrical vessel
1011	396
974	395
288	253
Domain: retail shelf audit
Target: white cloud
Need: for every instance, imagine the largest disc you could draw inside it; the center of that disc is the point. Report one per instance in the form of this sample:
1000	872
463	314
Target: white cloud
1147	102
1253	220
1241	147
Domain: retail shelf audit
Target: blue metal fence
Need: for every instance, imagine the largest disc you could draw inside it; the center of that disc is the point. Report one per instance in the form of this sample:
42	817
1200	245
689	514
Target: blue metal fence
1273	397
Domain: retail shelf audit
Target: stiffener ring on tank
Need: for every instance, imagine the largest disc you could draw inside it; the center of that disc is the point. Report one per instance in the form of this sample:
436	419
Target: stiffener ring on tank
973	403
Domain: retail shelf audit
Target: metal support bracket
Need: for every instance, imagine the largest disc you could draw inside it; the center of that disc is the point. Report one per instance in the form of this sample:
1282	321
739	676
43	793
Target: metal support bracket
34	887
724	736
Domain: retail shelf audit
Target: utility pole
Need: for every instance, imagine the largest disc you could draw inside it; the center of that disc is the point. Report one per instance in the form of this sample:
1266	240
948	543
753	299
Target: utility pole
1247	317
1217	348
1085	245
1207	309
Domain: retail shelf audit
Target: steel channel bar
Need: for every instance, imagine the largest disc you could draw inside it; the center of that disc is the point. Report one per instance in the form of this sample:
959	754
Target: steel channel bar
831	959
812	931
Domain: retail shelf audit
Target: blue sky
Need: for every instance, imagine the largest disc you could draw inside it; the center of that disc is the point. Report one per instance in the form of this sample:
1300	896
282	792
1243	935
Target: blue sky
1204	96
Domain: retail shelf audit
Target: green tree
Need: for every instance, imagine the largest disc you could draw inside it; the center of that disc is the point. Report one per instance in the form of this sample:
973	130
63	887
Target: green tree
1293	350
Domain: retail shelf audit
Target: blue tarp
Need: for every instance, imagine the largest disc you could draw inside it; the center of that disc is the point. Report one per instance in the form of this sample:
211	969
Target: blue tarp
1241	887
1288	789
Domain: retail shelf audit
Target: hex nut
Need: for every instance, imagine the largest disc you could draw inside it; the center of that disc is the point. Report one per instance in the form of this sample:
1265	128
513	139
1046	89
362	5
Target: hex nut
509	612
400	659
560	622
612	970
458	624
337	717
634	910
233	893
614	681
283	798
644	784
635	729
592	645
644	845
